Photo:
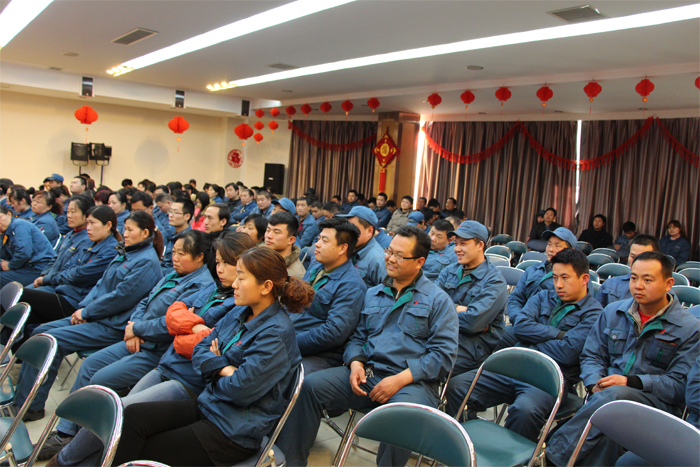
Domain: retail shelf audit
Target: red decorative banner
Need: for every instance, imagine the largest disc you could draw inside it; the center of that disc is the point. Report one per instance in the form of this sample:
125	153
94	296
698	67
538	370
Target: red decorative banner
329	146
385	151
561	162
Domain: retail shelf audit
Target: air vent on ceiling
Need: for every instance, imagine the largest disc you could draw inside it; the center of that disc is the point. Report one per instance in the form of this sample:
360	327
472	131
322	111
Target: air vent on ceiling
578	14
282	66
136	35
55	68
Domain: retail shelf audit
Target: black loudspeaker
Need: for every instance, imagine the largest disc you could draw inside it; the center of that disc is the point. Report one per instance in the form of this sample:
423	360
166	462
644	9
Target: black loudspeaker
80	152
179	99
245	108
86	87
274	178
100	152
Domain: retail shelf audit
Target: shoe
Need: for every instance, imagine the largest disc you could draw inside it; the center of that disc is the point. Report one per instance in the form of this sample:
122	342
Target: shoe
33	415
53	462
53	445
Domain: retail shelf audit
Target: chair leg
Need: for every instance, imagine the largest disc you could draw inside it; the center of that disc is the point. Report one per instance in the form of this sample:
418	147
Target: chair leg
499	418
62	387
344	439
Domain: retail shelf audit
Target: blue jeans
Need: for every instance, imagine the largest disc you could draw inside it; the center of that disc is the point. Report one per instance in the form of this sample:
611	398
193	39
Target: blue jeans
85	448
598	449
70	339
330	390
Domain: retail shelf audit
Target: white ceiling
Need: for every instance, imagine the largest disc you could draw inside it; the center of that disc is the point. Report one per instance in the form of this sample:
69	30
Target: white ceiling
669	54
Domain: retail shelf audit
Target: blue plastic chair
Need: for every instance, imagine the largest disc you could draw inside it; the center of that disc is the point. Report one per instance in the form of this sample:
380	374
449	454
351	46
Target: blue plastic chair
598	259
679	279
689	296
612	270
527	263
627	423
501	239
10	295
497	260
594	287
695	311
499	250
586	247
517	247
15	319
418	428
511	275
692	274
607	251
533	255
688	264
594	276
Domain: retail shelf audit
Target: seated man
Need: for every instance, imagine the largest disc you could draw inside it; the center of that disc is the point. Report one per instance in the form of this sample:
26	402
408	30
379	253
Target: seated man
324	327
283	205
618	288
246	208
640	349
442	252
629	231
142	201
179	216
368	256
308	230
597	236
535	241
281	234
264	200
381	211
539	277
479	292
163	203
554	322
216	218
404	345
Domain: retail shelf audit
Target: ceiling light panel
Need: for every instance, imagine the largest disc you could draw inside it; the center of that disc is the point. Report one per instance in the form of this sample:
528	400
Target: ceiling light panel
17	15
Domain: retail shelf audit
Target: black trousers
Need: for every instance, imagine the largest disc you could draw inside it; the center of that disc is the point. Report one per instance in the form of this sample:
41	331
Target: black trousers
175	433
46	306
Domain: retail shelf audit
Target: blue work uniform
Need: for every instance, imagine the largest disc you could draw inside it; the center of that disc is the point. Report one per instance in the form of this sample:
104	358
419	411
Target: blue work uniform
484	292
47	225
678	248
267	212
315	239
383	238
414	329
62	223
71	244
326	325
127	279
27	214
166	262
656	362
348	206
27	251
692	394
534	279
614	289
369	262
246	405
383	216
121	218
243	211
438	260
308	230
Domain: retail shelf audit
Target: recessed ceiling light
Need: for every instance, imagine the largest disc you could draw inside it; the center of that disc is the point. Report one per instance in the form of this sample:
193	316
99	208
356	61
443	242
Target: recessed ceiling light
652	18
266	19
474	67
5	86
17	15
55	68
285	90
69	54
482	113
558	111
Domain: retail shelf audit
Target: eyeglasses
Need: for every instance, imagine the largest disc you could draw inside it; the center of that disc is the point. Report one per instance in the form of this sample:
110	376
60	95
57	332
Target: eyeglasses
388	253
175	213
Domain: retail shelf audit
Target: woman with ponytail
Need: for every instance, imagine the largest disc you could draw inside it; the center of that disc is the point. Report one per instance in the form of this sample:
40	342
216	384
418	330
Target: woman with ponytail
119	203
249	362
45	208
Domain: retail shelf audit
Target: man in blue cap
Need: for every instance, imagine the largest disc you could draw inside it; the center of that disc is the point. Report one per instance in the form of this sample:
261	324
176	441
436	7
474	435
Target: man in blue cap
442	253
369	256
308	227
418	219
53	181
479	292
539	277
283	205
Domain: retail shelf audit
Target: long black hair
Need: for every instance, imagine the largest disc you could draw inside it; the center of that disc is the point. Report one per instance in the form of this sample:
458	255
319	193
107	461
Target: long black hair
144	221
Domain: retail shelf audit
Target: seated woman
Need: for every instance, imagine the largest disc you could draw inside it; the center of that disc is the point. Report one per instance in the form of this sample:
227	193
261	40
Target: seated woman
79	274
216	193
675	244
200	205
119	203
101	316
102	196
45	207
255	225
21	203
174	379
62	194
249	362
24	250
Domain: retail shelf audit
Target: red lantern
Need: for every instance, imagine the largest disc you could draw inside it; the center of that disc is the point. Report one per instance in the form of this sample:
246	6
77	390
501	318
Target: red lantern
347	106
467	97
306	109
259	125
260	113
697	82
544	94
258	137
592	90
273	126
503	94
644	88
86	115
243	131
290	111
373	103
326	107
434	99
274	112
178	125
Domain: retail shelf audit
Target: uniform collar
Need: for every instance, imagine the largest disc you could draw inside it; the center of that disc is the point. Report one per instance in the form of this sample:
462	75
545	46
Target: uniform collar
362	252
259	320
670	312
480	271
418	283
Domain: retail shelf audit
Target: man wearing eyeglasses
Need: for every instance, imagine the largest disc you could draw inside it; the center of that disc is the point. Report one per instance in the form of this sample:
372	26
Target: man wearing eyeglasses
479	292
179	215
404	345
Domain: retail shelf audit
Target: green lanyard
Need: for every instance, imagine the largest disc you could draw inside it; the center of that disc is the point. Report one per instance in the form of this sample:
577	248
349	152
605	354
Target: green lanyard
466	279
560	311
545	277
403	299
237	337
633	358
319	283
210	303
168	284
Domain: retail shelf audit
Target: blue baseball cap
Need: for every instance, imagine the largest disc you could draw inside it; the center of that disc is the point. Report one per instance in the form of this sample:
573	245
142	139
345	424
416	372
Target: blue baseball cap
415	218
563	233
363	213
55	178
471	229
286	204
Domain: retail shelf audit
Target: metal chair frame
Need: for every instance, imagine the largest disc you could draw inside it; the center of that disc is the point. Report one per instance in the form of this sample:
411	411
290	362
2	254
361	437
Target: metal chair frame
497	260
499	250
606	271
692	275
539	256
689	289
10	294
15	318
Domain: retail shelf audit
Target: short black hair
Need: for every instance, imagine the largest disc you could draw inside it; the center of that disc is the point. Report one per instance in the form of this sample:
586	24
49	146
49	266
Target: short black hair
331	207
443	225
352	191
600	216
453	199
83	182
663	259
317	204
433	203
187	206
288	219
646	240
265	193
144	197
306	200
127	182
83	203
260	222
551	209
391	203
629	227
575	257
164	188
423	198
345	232
235	187
372	200
428	213
409	198
160	197
422	246
381	193
224	212
195	243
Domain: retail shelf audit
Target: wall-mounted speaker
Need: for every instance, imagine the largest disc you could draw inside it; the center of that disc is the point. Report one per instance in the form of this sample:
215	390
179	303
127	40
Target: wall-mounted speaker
245	108
179	99
86	86
100	152
274	178
80	153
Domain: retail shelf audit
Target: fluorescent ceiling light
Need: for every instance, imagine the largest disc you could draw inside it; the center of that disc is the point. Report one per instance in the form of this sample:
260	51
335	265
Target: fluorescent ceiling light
594	27
266	19
17	15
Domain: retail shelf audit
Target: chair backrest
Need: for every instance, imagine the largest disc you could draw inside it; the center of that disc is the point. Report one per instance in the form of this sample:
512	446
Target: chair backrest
688	264
695	311
527	263
10	294
517	247
675	442
143	464
688	295
15	319
586	247
692	274
608	251
511	275
533	255
594	287
58	242
501	239
679	279
598	259
594	276
612	270
500	250
418	428
497	260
